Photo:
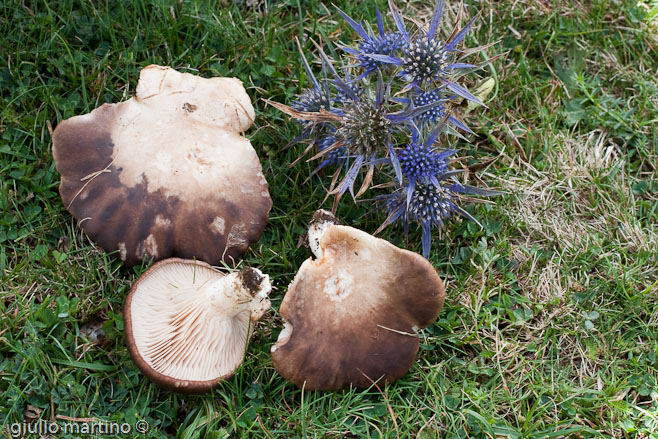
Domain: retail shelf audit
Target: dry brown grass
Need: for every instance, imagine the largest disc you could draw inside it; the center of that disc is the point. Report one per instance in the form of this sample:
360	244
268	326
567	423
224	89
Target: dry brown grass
562	208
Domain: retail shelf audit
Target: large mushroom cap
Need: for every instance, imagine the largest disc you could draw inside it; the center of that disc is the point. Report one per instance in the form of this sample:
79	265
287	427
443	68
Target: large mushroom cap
351	314
167	172
187	325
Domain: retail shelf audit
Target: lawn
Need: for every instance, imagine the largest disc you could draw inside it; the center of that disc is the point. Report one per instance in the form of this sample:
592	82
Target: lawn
550	327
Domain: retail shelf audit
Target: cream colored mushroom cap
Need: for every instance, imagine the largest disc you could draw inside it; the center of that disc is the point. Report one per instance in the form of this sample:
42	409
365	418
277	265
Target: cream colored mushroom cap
167	172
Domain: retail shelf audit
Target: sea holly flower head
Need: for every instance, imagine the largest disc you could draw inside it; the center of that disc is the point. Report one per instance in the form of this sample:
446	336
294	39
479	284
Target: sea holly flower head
365	128
381	44
365	122
362	122
334	157
421	162
312	100
425	59
364	125
433	115
385	113
429	108
430	205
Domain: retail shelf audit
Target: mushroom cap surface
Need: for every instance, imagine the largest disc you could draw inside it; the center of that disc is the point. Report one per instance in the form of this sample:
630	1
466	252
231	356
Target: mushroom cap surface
167	172
173	333
351	314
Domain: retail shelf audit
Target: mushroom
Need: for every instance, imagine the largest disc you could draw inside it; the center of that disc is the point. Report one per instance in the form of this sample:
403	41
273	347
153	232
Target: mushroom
187	325
166	173
351	315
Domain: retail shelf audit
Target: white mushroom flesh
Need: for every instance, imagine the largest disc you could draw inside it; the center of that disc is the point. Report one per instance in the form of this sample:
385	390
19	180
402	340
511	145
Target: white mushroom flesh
284	335
317	228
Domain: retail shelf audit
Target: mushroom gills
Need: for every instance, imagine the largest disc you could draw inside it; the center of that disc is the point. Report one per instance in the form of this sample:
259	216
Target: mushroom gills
190	323
173	343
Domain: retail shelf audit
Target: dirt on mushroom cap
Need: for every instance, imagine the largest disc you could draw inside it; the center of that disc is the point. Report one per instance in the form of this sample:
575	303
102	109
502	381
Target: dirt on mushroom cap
354	312
167	172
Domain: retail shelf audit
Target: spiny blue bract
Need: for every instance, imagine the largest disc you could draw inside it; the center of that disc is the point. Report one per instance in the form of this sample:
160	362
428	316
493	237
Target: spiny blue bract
386	112
382	45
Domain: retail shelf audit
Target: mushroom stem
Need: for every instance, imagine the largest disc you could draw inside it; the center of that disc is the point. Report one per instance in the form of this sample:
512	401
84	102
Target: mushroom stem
321	221
244	290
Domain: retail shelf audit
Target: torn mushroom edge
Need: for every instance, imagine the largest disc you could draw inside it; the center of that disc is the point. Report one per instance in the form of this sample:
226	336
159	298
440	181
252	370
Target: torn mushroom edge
161	380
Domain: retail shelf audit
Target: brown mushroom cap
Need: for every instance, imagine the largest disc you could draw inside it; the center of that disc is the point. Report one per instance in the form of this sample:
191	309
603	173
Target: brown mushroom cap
187	325
351	315
167	172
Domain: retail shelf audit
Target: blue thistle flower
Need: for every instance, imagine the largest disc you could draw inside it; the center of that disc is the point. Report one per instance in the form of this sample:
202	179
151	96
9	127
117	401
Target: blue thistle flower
429	109
424	196
365	131
361	123
429	205
381	44
364	126
335	157
313	99
433	115
421	162
425	58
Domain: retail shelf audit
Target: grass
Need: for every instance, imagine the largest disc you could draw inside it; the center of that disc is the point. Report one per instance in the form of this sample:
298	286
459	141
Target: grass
550	329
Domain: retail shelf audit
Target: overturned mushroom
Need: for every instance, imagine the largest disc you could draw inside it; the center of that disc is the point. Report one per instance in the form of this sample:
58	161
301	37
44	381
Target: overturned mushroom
351	314
187	325
166	173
